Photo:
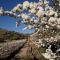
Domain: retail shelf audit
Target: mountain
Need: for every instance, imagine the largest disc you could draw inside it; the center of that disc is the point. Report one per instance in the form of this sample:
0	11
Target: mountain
6	35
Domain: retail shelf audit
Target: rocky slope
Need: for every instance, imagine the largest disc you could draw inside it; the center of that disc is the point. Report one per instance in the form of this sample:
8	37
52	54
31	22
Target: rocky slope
6	35
24	53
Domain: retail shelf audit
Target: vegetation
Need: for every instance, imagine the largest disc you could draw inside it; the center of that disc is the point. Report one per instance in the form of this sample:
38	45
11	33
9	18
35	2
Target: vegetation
10	35
39	16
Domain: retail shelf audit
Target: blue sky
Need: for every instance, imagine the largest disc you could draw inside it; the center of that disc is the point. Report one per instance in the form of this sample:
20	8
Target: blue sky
7	22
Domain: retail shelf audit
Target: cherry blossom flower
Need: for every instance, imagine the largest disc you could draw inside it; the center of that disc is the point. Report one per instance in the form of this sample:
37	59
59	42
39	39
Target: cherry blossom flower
46	2
17	8
58	21
38	18
30	26
31	5
40	7
26	4
36	21
52	21
40	13
33	10
24	16
50	12
56	14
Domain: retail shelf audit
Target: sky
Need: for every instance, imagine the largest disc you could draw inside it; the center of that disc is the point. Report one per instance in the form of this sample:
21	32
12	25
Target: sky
7	22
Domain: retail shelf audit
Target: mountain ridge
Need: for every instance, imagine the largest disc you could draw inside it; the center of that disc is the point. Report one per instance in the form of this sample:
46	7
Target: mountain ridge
6	35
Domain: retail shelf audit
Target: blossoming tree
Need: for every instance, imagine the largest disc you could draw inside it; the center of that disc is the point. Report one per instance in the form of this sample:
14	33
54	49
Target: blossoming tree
39	16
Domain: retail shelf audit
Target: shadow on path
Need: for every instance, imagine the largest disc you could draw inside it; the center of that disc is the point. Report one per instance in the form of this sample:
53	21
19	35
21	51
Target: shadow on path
13	54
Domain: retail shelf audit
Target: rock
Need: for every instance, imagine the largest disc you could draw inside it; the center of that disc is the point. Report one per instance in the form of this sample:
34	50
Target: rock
24	53
10	47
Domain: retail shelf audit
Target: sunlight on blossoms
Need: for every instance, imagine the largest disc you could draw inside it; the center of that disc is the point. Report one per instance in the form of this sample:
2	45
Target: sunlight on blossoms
17	8
26	4
40	13
44	18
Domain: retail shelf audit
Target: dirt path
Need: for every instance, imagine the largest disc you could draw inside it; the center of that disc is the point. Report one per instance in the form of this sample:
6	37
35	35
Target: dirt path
9	49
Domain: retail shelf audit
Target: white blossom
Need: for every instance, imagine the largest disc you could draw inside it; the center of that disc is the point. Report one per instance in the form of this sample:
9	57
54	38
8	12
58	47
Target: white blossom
47	8
35	4
52	21
31	20
47	26
30	26
59	4
24	16
43	20
49	54
40	13
19	5
40	41
35	18
56	14
9	12
58	26
58	50
33	10
36	21
40	7
58	21
40	3
31	5
46	2
50	12
26	4
17	8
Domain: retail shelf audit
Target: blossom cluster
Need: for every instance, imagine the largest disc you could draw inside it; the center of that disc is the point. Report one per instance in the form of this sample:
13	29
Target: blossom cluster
45	14
38	15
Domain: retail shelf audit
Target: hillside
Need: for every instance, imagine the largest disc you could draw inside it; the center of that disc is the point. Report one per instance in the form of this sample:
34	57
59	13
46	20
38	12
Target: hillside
6	35
25	53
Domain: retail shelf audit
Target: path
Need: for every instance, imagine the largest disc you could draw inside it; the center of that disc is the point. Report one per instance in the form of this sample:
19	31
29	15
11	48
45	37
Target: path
10	48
